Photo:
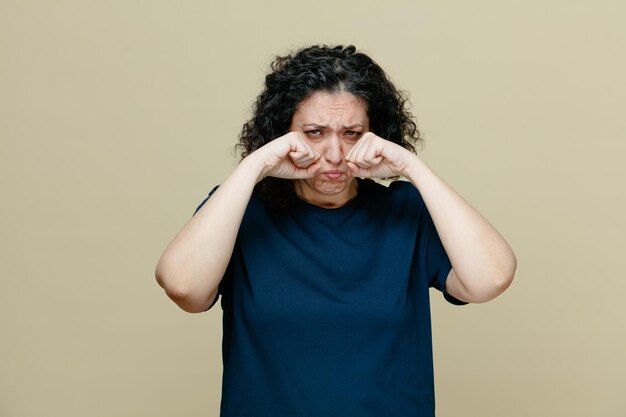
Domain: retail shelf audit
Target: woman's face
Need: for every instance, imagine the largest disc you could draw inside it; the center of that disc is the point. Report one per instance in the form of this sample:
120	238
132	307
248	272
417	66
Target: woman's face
331	124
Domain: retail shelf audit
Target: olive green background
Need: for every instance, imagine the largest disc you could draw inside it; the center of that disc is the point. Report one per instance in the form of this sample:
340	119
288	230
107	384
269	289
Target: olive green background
117	117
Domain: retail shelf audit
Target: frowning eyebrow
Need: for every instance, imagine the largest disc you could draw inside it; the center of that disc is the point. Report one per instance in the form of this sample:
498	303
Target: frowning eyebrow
318	126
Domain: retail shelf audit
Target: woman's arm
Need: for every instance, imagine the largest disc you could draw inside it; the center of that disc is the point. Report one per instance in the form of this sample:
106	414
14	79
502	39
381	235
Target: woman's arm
483	263
193	264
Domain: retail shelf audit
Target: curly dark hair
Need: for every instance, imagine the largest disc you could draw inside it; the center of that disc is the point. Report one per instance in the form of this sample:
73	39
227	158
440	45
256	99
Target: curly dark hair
323	68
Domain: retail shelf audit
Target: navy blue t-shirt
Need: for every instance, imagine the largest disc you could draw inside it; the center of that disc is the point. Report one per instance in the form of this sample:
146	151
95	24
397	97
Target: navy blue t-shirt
326	311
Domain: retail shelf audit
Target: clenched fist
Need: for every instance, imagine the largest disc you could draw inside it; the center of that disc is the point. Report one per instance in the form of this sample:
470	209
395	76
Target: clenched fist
375	157
288	156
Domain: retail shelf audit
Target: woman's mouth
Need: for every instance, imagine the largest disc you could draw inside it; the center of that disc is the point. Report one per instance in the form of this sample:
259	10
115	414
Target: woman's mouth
333	175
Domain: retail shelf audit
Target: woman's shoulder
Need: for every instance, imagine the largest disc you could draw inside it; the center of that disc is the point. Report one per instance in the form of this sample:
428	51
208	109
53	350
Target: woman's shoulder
397	192
395	187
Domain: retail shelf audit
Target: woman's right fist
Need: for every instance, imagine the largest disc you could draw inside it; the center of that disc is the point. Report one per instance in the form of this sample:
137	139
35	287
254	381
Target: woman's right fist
288	156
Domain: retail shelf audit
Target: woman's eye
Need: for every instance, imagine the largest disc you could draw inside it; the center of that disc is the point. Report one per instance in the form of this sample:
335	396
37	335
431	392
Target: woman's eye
313	132
352	134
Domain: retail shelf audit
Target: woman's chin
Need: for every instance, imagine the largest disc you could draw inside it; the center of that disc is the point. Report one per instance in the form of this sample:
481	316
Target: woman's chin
323	193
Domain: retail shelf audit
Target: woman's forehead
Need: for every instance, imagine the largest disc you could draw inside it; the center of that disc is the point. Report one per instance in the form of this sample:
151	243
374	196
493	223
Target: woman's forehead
325	107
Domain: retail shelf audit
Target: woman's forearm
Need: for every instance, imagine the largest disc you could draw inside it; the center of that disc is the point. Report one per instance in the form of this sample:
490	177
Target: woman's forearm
193	264
482	261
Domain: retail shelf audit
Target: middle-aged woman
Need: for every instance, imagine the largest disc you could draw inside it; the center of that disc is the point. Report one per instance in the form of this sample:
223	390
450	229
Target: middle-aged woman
324	274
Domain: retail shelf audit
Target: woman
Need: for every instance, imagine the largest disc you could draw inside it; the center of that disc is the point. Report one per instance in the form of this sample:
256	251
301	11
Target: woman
325	274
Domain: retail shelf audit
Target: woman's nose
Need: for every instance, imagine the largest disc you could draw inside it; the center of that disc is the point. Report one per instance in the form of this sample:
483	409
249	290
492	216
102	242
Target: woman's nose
333	152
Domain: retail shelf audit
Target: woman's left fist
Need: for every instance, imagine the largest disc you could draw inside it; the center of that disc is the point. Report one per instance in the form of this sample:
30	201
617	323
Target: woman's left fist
375	157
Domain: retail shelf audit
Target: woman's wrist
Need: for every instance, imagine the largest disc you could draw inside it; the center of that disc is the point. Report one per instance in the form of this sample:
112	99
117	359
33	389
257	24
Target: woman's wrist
414	165
253	167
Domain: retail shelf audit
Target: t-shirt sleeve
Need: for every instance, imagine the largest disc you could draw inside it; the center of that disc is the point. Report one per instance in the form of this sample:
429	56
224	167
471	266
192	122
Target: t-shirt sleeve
227	273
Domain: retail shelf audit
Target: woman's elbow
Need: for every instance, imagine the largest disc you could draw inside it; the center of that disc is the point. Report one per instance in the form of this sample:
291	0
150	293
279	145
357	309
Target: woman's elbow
496	282
507	273
179	291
